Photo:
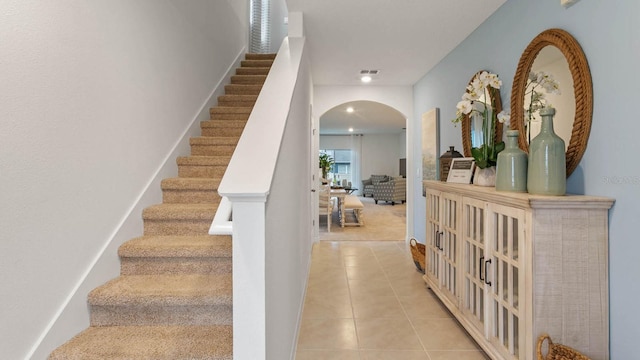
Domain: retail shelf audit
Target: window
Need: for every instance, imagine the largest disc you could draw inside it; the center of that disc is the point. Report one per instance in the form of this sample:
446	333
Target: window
260	26
341	169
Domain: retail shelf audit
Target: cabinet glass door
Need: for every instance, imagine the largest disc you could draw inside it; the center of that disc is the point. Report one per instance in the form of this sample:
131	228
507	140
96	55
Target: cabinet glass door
473	269
506	295
449	246
433	268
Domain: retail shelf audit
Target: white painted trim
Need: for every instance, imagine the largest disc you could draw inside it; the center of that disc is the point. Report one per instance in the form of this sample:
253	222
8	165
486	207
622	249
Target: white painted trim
152	185
222	224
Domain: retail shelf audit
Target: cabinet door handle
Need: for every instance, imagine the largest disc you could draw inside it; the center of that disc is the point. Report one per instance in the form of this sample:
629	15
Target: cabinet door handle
439	235
486	272
480	268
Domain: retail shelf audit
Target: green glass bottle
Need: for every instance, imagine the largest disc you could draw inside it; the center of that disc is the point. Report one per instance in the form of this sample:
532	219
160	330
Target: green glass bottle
511	172
547	170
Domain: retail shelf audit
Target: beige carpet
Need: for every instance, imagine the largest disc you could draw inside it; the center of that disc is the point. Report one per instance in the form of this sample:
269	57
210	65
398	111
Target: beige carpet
381	222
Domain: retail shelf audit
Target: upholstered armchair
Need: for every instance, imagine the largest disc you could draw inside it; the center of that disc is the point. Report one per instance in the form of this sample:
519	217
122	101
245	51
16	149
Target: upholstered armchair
368	184
394	191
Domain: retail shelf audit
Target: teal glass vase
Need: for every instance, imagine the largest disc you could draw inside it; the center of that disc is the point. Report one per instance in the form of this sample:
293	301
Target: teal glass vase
547	170
511	172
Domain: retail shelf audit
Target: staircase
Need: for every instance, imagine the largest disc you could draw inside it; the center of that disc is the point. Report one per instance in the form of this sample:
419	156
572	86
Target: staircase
173	298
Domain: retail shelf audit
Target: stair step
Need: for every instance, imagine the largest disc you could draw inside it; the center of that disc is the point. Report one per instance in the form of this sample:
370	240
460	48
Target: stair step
211	145
203	254
202	166
190	191
230	128
237	100
256	56
242	89
188	299
149	342
248	79
252	71
178	219
230	113
261	63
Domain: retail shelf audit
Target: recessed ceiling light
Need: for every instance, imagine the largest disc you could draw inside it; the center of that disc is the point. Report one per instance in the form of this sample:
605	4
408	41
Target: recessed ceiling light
350	129
349	109
365	79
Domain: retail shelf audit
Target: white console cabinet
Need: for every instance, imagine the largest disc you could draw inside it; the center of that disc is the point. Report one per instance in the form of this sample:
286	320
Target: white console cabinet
511	266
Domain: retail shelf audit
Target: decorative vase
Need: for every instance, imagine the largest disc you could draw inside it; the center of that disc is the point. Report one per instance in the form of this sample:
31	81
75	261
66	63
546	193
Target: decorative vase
445	162
511	170
485	177
547	170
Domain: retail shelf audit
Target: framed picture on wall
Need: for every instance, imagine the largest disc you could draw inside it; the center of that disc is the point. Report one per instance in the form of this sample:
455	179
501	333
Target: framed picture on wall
430	145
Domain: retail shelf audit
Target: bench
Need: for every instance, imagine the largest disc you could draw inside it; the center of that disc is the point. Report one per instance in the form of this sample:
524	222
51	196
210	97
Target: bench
351	202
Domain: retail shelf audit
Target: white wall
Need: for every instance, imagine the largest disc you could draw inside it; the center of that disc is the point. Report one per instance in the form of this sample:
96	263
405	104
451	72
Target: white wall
288	247
612	48
380	155
96	96
279	29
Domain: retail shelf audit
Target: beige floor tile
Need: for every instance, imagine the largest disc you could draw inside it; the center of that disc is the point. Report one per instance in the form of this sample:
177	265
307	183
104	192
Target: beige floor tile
424	307
377	307
365	273
327	334
457	355
327	355
323	306
393	355
360	260
409	287
361	249
362	288
387	334
442	334
369	296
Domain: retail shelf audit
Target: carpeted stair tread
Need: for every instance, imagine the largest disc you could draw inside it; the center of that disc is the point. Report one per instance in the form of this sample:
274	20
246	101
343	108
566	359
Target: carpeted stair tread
252	70
185	183
242	98
230	113
256	63
257	56
177	246
242	89
248	79
179	212
221	160
149	343
164	290
214	140
222	127
230	110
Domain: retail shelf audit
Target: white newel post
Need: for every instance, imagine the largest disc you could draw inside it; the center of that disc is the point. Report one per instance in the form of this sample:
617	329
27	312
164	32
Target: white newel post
249	278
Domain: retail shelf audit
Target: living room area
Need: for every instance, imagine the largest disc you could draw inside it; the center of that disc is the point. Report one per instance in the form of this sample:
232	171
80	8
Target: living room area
366	143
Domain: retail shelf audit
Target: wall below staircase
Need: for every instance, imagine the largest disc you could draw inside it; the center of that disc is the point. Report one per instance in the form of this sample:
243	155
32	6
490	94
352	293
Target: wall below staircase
98	98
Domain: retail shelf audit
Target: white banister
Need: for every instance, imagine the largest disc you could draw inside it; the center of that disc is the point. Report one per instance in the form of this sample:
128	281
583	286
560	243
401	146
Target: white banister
222	224
246	187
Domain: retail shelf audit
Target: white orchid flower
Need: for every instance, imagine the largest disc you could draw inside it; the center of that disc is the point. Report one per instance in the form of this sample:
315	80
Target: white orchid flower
504	117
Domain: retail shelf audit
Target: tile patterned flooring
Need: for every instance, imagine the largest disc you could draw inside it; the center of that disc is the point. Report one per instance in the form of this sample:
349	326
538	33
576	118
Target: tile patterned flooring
366	301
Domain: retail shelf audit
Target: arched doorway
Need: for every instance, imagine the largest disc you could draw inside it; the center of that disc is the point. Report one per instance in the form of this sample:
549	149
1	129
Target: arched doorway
367	138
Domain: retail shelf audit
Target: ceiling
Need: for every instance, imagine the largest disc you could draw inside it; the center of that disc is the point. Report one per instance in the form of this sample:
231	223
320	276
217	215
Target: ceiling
403	39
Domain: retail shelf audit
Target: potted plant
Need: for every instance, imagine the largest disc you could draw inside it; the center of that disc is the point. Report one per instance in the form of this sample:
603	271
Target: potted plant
474	103
326	161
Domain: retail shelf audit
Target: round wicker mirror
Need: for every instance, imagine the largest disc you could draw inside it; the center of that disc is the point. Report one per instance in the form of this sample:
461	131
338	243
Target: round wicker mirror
582	90
467	128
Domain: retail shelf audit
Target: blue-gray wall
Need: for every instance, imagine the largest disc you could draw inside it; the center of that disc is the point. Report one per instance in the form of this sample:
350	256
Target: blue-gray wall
609	33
